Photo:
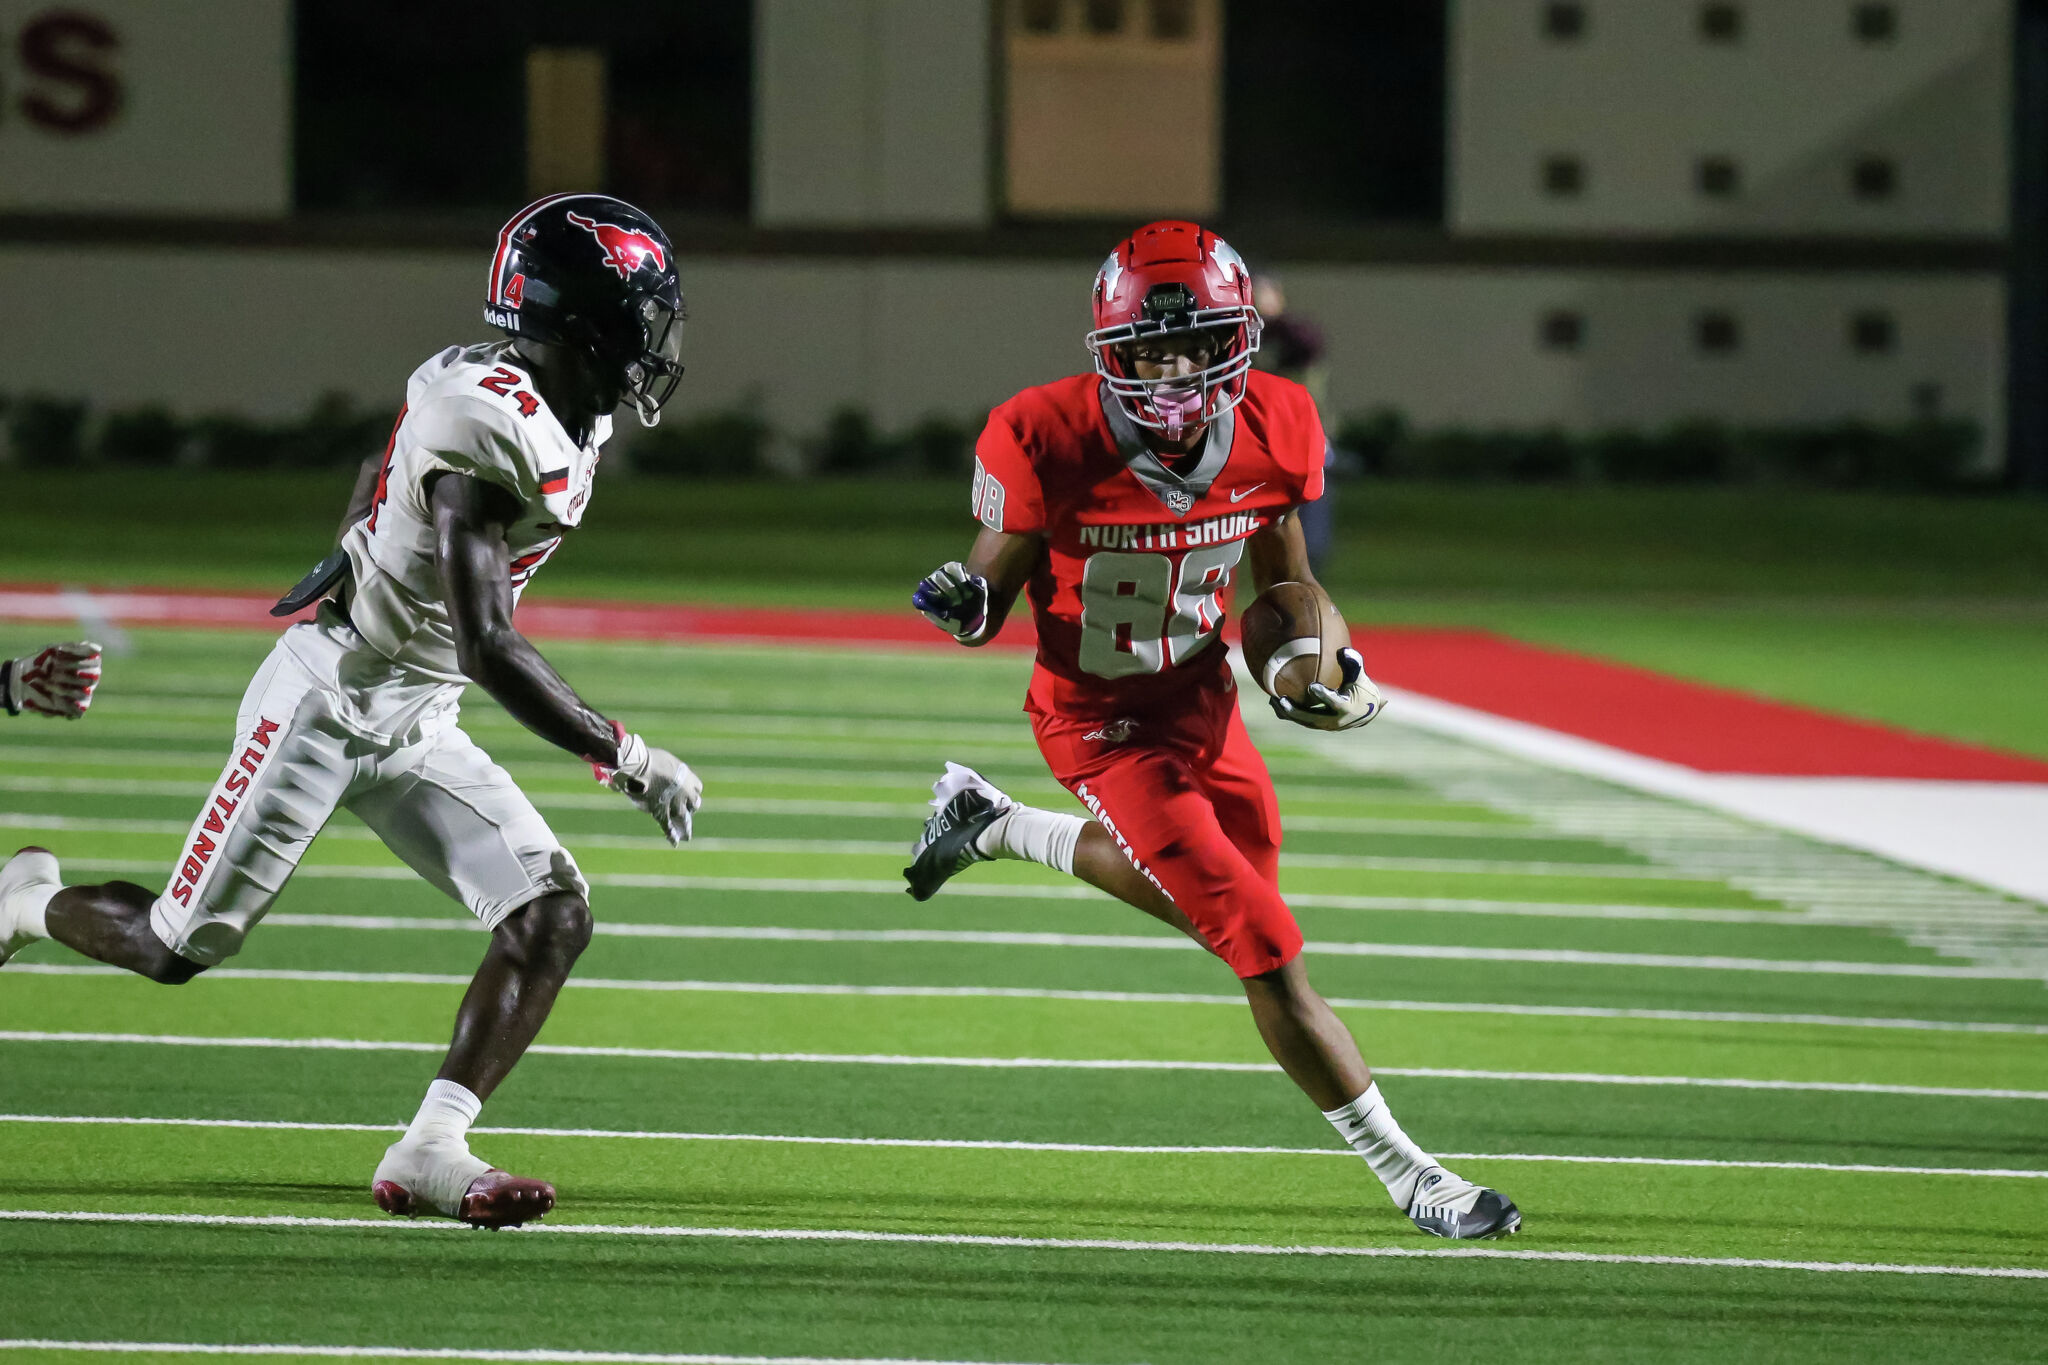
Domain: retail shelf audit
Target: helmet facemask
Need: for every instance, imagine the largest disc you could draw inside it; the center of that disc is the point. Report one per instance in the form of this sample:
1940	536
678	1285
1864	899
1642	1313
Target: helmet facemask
656	367
1175	404
638	349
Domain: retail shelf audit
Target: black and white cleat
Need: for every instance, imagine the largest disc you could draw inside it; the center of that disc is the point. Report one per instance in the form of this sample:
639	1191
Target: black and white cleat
1446	1206
964	803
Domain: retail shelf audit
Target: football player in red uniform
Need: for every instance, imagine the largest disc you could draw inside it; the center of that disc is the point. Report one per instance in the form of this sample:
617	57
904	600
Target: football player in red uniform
1124	501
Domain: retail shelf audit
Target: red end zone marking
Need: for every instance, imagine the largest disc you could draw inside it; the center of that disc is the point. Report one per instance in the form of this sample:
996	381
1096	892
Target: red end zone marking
1710	729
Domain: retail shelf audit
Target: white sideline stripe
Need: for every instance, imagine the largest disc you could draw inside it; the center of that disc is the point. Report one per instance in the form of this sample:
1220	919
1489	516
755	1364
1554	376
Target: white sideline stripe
1006	1145
1095	997
1026	1243
1179	943
536	1354
1029	1063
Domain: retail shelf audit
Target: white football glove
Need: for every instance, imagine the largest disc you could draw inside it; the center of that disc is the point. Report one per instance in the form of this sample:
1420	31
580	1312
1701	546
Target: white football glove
656	781
954	600
58	681
1348	707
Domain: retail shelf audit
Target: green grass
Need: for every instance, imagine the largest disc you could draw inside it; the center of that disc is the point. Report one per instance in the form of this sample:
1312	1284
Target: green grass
776	1029
866	540
1926	612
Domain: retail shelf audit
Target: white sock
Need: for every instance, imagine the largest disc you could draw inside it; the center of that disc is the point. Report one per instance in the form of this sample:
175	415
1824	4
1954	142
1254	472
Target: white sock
445	1114
1369	1127
31	908
1034	835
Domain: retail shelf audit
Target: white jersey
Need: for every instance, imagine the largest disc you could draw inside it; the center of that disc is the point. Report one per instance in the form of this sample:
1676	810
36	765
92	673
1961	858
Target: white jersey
470	410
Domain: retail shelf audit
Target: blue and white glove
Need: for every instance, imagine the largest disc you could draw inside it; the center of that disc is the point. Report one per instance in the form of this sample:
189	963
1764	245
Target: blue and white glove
954	600
1346	708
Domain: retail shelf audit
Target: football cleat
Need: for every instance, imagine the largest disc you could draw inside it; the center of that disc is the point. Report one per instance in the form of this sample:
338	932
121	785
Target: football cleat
444	1178
964	803
1447	1206
30	869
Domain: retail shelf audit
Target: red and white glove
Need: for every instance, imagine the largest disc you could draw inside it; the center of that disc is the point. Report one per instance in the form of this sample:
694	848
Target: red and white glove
656	781
59	681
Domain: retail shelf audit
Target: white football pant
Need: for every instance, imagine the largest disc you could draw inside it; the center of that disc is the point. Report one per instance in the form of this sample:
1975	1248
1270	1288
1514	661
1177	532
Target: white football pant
439	803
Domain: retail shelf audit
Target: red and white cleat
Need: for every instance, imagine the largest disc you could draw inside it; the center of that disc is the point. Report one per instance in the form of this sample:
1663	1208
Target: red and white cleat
440	1176
494	1199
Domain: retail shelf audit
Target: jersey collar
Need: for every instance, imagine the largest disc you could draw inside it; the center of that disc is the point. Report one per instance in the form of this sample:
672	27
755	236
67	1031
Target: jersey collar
1179	494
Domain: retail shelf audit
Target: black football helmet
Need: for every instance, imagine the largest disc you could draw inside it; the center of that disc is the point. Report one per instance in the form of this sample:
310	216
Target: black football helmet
595	273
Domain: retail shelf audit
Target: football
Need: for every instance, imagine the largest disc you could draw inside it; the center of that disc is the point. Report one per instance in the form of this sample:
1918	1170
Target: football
1290	635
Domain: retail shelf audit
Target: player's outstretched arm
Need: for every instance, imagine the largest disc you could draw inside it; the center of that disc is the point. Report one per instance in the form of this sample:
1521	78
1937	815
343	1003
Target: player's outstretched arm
473	559
971	601
1279	554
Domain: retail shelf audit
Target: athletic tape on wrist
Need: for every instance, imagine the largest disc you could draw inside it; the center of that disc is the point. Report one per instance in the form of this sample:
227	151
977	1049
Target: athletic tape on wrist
603	771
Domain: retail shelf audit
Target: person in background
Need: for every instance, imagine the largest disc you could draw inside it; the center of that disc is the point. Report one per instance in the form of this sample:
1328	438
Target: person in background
1293	349
57	680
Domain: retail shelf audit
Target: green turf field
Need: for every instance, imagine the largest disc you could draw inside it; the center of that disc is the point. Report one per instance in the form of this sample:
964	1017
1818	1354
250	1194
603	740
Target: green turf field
1930	613
792	1113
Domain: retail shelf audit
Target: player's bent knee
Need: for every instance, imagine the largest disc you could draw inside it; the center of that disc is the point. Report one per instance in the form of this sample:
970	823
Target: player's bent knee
555	928
1285	986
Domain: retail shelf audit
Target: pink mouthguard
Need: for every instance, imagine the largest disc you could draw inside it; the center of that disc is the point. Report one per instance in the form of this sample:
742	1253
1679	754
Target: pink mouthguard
1177	409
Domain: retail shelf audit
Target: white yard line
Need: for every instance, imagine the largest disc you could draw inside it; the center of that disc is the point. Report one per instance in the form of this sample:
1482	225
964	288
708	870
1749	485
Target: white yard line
547	800
1177	943
538	1355
1006	1145
806	774
899	848
851	810
1487	1253
1104	997
1027	1063
838	886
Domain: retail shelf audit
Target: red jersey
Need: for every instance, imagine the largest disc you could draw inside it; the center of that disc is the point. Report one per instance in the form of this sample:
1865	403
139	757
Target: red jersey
1131	593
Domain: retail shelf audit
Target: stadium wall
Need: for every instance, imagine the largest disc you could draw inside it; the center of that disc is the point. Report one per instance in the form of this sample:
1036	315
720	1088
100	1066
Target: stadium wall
265	332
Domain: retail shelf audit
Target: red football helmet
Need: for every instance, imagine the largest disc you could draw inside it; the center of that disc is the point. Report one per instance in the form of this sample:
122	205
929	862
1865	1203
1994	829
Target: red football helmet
1175	277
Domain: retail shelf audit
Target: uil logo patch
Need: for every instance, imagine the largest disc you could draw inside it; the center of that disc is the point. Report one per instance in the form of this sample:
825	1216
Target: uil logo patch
1180	501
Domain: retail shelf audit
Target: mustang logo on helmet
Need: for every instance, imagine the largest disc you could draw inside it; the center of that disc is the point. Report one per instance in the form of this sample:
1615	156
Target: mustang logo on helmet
625	250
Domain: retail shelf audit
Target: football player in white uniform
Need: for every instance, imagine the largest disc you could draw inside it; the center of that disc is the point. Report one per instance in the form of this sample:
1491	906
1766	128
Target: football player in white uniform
489	466
56	680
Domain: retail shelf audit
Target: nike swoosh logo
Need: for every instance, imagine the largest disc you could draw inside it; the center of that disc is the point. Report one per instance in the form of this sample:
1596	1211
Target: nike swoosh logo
1241	494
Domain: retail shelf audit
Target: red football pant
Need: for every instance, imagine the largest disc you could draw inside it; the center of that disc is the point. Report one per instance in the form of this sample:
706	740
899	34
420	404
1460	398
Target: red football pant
1187	797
